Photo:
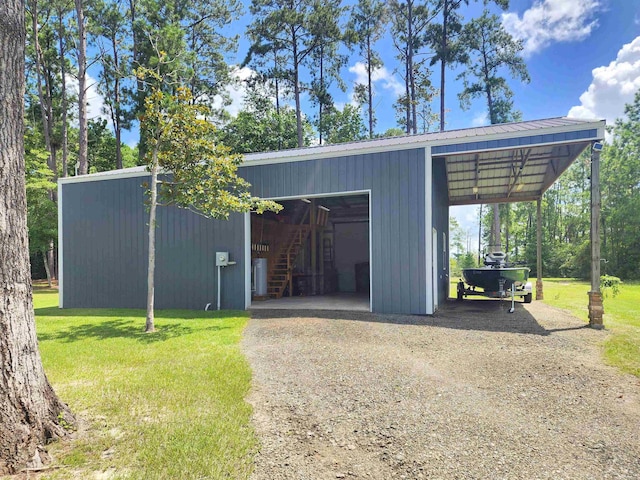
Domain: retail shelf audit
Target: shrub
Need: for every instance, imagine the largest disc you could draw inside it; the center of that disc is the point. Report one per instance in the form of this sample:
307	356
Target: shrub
609	282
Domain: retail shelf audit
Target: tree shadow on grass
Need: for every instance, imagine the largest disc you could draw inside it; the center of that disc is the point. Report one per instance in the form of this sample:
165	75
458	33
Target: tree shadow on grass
117	328
137	313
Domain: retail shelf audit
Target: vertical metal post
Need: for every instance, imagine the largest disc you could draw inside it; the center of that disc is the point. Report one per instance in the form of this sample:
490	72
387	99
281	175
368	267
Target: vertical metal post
596	308
480	237
539	288
321	259
219	270
314	247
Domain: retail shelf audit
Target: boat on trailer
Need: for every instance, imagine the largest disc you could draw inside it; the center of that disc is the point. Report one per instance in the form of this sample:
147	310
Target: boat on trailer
497	279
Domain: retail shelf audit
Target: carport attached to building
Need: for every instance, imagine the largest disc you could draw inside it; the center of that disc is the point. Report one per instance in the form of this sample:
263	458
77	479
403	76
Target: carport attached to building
409	183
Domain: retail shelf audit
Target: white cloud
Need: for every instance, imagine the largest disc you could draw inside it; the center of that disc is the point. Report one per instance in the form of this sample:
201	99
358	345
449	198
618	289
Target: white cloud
612	87
236	91
386	79
95	101
551	21
480	119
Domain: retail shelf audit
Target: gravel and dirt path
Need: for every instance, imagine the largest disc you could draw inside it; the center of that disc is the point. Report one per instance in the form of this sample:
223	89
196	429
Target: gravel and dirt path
471	393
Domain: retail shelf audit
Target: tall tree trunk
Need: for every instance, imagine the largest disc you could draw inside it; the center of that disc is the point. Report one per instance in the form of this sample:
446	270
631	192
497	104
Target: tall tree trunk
277	75
412	80
51	258
507	207
63	93
321	102
495	230
151	267
369	86
83	168
117	99
47	269
296	86
407	89
29	408
135	54
296	90
443	49
44	91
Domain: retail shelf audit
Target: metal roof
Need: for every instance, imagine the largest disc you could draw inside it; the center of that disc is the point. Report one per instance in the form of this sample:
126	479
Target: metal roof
518	174
495	163
504	131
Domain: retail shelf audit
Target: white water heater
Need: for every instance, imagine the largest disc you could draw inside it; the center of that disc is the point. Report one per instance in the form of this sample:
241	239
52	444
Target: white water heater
260	277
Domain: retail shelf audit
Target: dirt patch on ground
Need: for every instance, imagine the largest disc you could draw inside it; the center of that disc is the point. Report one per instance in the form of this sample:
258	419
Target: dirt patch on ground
472	392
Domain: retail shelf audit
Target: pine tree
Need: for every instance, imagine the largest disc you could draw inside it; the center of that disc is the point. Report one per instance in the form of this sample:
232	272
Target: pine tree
444	39
288	27
409	22
491	50
366	27
31	412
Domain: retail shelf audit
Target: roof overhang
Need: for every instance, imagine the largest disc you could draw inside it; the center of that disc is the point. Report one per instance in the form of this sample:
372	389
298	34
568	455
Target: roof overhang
516	174
496	163
477	138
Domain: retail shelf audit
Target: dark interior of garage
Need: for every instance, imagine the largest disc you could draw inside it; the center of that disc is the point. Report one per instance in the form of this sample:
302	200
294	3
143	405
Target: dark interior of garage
314	246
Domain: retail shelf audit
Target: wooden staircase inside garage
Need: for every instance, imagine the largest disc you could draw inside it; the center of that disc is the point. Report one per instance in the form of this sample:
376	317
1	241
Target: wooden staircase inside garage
280	271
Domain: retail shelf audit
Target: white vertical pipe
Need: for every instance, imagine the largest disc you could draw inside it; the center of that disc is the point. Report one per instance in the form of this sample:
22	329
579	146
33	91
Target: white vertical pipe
219	280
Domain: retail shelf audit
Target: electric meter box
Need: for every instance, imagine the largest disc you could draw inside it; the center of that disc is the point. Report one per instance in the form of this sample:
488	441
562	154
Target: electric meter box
222	259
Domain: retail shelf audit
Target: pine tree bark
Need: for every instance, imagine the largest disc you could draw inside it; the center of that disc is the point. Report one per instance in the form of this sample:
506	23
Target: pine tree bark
296	87
496	242
443	56
83	140
44	93
63	92
369	85
30	412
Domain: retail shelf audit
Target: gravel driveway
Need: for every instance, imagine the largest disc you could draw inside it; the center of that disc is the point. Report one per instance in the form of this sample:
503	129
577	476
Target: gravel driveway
472	392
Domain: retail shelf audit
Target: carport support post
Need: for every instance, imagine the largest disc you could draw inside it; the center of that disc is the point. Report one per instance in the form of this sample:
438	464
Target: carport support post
539	291
314	247
596	308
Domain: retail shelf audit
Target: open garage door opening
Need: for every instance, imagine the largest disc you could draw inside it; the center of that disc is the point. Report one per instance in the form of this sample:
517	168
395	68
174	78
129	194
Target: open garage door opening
314	254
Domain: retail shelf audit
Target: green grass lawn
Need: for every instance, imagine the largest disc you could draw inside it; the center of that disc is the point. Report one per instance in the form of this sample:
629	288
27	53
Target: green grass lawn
168	405
622	316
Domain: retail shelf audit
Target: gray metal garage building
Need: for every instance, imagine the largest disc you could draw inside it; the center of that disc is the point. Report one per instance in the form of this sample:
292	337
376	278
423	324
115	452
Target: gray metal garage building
385	199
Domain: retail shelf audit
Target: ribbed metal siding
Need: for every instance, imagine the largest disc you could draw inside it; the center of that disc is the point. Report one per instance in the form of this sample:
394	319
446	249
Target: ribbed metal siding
440	220
396	180
105	250
516	142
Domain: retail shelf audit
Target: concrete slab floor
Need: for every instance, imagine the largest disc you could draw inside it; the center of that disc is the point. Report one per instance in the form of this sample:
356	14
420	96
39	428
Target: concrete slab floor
336	301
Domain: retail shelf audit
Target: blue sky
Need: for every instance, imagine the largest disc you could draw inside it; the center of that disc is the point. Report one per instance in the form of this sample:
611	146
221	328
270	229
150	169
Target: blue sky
565	40
583	57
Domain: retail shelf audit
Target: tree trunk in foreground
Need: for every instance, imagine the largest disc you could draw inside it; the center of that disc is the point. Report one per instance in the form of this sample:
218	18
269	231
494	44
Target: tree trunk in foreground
30	412
151	265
